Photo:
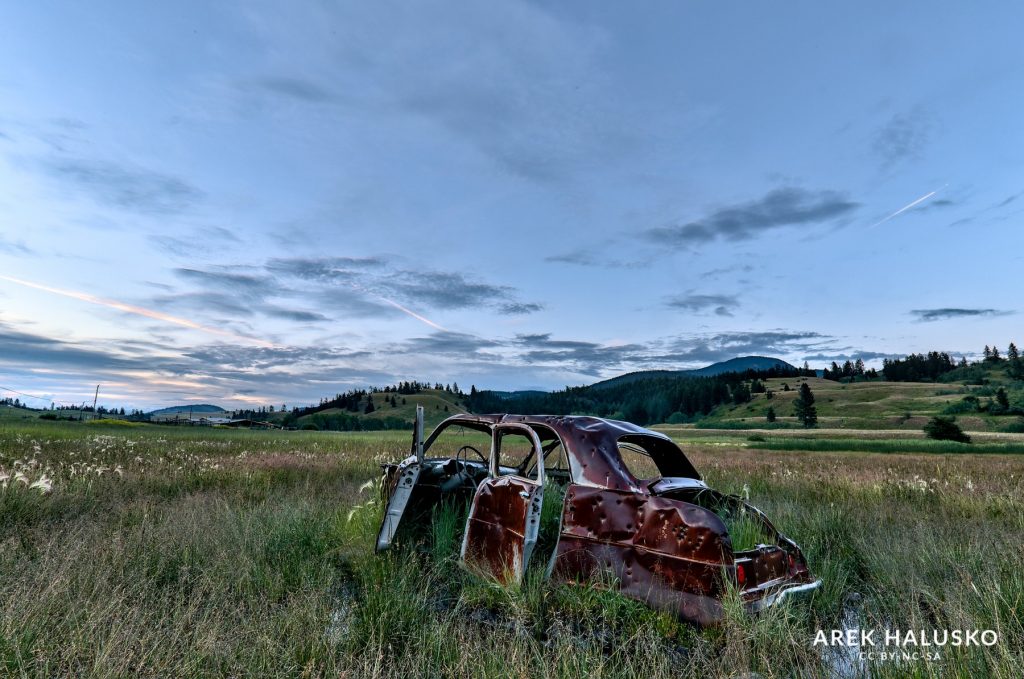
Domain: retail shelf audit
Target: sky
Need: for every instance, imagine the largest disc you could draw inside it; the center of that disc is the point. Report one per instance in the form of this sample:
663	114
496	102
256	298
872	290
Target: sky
252	203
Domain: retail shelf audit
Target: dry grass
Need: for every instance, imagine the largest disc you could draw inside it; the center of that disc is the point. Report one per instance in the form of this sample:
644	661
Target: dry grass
221	553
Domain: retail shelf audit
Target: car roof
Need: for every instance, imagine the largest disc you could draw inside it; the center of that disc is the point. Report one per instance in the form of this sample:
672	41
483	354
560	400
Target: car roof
591	444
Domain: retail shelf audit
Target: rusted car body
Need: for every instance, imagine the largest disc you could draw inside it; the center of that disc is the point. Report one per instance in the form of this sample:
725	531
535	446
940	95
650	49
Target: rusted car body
663	539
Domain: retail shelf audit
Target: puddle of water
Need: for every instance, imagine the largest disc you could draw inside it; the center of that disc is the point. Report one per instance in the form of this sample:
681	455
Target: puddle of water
340	621
844	662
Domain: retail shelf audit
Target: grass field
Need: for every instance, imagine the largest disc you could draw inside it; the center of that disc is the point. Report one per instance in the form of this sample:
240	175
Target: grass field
860	405
199	552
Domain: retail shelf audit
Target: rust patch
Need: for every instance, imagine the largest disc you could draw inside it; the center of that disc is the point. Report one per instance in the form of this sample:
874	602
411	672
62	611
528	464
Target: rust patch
493	539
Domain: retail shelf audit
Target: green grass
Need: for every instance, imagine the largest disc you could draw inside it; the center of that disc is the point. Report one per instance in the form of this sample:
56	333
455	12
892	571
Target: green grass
433	401
883	446
243	553
860	405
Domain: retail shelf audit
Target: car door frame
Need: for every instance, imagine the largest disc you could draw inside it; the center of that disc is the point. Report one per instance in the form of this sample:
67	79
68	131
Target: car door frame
500	543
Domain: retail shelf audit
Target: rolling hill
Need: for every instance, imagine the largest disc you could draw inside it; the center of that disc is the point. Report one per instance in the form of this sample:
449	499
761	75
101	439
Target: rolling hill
733	365
205	408
875	404
437	405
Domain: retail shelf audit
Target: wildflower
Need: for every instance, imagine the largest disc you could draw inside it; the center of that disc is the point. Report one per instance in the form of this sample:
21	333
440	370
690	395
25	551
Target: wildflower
43	484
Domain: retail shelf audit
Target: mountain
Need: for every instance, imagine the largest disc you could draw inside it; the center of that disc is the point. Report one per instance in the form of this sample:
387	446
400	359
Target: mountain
523	392
741	364
733	365
198	408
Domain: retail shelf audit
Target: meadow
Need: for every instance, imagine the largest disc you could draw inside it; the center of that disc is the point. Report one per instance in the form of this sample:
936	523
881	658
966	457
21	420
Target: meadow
163	551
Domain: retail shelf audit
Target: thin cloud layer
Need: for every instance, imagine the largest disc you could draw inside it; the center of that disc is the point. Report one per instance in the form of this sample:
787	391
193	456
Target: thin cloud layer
947	313
776	209
135	189
721	305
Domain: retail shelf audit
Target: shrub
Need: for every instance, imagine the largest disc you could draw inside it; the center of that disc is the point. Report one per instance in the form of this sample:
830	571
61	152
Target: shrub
945	429
968	404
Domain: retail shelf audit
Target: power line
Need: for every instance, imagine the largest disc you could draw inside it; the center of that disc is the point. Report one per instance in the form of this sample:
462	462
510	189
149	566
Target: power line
21	393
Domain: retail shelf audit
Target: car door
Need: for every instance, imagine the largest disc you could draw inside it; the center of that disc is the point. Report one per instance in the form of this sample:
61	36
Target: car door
403	481
504	517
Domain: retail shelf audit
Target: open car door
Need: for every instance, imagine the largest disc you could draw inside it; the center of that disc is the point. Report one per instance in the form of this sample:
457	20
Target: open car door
504	517
402	482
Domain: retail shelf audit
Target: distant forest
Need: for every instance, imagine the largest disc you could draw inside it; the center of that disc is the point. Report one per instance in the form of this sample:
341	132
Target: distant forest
935	366
643	401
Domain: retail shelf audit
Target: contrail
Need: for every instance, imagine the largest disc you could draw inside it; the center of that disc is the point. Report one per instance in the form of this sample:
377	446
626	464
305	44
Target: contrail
369	293
905	208
415	315
137	310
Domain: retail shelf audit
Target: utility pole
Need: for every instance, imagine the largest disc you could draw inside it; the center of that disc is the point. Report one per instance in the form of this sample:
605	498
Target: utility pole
94	398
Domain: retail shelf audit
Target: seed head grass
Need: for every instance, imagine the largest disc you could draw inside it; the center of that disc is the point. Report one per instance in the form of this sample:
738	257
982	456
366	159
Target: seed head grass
237	553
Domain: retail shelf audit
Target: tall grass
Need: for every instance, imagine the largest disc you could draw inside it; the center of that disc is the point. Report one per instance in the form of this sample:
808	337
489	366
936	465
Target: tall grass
250	554
885	446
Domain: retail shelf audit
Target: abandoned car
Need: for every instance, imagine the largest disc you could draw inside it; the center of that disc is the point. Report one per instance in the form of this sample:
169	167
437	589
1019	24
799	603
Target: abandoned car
589	498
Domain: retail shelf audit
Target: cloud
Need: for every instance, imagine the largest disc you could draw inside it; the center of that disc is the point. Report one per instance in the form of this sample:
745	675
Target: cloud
249	285
723	305
853	356
519	308
22	348
946	313
235	294
379	279
151	374
590	258
444	290
447	343
132	188
777	208
211	301
902	137
1009	199
295	88
721	346
323	268
15	247
294	314
735	268
577	257
588	358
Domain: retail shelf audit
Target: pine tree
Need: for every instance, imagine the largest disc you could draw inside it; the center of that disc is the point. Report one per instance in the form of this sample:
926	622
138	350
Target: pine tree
1002	400
1015	369
770	415
369	405
803	407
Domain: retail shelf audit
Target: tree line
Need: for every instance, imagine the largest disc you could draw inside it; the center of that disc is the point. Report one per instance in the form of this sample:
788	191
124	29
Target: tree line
642	401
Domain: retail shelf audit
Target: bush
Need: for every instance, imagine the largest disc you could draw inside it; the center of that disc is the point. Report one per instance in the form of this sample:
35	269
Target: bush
945	429
968	404
1015	427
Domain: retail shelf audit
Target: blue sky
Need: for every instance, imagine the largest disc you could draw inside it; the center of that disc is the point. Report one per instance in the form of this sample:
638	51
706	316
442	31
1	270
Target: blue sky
269	202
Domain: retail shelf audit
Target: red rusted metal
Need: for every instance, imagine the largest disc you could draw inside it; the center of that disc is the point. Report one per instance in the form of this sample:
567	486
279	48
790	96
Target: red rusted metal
660	540
496	530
